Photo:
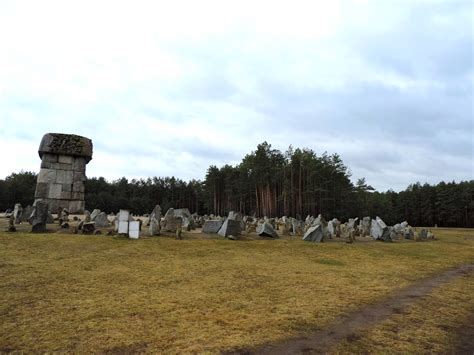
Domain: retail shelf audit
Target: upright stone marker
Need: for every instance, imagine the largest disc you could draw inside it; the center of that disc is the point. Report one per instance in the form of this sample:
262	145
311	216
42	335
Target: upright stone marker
63	171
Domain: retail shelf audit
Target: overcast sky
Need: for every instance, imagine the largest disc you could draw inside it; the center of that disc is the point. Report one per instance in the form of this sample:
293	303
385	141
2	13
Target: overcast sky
168	88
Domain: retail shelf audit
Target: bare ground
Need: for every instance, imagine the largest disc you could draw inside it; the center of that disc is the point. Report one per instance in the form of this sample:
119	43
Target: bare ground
350	326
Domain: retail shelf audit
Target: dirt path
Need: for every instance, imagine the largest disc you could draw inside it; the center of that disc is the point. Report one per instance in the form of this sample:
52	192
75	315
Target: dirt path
348	326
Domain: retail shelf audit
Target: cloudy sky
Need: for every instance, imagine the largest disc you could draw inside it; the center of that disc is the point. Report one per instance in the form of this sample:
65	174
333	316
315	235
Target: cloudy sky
168	88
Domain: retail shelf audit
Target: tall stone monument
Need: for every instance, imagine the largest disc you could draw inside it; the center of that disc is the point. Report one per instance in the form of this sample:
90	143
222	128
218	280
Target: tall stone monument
63	171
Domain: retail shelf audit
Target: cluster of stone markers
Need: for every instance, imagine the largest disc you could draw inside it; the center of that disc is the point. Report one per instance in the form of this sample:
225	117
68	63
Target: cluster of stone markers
60	189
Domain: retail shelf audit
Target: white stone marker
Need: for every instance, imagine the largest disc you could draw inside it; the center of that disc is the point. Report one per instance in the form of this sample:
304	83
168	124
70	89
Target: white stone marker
123	227
134	229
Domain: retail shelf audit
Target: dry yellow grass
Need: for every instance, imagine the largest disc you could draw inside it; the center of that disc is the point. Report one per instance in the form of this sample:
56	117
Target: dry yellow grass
99	293
431	325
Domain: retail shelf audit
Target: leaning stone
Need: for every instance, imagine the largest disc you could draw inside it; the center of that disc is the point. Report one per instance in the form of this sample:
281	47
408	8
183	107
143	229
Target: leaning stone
17	213
39	217
170	221
314	234
154	228
379	230
94	214
156	213
25	215
266	230
212	227
229	227
101	220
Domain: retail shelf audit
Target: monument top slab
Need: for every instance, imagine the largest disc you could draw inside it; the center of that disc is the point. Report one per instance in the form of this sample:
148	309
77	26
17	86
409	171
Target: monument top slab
66	144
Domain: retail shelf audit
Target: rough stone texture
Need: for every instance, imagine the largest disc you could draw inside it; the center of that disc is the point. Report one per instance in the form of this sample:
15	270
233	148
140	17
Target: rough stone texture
314	234
154	228
266	230
237	216
187	220
17	213
94	214
154	221
88	228
364	225
101	221
156	213
229	227
171	221
212	227
334	227
61	179
39	217
379	230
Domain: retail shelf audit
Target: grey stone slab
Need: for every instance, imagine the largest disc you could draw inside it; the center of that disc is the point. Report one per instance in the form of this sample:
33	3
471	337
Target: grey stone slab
67	187
77	195
64	166
39	217
50	158
42	190
65	144
46	175
65	159
314	234
47	165
212	226
79	164
79	177
65	195
78	187
266	230
53	205
17	212
54	191
64	176
76	207
123	215
94	214
101	220
229	227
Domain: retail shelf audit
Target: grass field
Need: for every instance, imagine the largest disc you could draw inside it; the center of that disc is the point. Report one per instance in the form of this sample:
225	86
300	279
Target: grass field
107	293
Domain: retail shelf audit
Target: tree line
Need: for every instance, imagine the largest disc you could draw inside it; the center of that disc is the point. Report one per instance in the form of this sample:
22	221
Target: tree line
268	182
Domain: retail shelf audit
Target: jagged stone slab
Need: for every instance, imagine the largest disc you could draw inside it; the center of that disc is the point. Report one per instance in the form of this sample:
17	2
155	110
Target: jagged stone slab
101	220
17	213
94	214
212	227
229	227
39	217
266	230
379	230
314	234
